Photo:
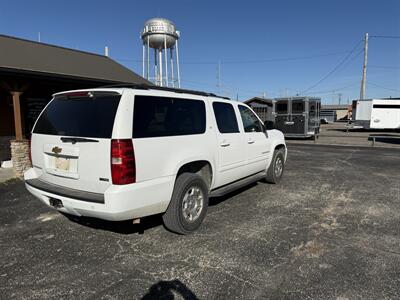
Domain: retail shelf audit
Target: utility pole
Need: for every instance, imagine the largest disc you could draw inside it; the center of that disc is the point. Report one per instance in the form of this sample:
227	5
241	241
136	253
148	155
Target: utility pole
219	84
364	75
340	97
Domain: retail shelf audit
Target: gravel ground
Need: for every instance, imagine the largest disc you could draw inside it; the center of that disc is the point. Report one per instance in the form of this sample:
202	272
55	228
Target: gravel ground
329	230
6	174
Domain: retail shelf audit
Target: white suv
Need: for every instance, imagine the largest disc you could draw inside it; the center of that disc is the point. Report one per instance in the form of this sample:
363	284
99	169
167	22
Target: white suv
120	153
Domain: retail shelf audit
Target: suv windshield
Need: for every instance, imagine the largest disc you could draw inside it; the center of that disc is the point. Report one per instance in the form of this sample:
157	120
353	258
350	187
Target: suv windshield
90	115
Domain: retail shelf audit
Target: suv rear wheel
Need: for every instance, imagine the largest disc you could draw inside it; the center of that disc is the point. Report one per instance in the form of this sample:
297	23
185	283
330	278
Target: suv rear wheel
275	170
188	206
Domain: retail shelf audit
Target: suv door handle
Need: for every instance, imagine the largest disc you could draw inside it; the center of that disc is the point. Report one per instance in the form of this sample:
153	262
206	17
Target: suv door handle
225	144
250	142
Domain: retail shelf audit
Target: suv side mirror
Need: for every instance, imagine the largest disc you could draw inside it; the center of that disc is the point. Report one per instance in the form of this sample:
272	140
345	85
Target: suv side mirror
269	125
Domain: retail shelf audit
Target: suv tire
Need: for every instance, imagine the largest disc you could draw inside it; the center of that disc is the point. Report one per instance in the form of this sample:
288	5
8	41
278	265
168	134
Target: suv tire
276	168
188	206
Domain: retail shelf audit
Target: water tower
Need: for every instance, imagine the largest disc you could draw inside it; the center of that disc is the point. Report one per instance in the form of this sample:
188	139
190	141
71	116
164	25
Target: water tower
161	35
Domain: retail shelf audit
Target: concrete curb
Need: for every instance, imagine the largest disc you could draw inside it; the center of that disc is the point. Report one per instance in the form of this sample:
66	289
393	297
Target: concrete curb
344	145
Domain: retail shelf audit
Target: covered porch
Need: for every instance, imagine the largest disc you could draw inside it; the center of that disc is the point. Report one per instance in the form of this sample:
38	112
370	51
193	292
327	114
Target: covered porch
30	73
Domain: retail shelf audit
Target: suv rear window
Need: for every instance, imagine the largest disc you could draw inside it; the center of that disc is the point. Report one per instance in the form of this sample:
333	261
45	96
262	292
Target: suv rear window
226	118
165	116
80	115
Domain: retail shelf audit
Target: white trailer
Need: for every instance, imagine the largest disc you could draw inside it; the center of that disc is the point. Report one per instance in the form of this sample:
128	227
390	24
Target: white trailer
376	113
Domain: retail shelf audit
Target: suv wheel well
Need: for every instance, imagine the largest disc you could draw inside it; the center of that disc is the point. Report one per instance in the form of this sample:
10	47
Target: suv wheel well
280	147
200	167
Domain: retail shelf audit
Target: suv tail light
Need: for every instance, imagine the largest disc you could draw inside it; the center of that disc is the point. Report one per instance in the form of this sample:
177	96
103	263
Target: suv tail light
123	169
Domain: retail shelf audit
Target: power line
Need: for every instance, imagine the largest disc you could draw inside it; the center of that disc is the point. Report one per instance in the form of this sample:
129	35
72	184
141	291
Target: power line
330	91
385	36
246	61
383	87
384	67
282	59
335	68
351	59
226	86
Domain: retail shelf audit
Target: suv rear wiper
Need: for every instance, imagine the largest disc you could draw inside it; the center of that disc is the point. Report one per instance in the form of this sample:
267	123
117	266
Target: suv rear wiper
75	140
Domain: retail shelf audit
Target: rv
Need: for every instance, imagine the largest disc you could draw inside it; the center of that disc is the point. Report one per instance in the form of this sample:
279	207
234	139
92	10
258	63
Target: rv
376	113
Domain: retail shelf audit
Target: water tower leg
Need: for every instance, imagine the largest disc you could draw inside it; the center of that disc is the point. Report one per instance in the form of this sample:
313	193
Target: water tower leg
148	58
160	65
166	60
143	59
155	67
171	52
177	65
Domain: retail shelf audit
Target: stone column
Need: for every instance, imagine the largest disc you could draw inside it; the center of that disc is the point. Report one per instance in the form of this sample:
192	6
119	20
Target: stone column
20	146
20	156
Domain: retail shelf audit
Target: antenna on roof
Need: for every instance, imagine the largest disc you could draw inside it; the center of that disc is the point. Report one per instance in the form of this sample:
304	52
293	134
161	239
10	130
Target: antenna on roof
106	51
39	37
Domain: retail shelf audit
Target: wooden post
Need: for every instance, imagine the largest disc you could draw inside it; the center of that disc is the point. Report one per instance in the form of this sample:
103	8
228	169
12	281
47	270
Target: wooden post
17	115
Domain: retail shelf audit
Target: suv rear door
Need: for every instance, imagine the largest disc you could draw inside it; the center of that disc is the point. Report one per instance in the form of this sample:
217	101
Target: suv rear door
71	140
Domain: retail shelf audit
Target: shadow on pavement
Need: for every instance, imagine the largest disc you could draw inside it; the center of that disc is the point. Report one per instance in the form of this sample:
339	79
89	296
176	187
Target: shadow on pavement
127	227
122	227
217	200
166	289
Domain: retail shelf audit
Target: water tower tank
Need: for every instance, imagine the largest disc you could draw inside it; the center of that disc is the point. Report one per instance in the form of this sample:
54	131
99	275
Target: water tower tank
161	35
159	32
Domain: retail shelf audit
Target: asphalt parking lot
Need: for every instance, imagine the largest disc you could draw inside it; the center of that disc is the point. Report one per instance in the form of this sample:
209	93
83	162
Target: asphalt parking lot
329	230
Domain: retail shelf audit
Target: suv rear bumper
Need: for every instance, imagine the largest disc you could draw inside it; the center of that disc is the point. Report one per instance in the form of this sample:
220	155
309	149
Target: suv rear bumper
66	192
118	203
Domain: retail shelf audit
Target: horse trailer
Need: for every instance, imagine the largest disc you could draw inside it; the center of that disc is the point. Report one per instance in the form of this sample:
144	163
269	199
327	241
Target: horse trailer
298	116
294	116
376	113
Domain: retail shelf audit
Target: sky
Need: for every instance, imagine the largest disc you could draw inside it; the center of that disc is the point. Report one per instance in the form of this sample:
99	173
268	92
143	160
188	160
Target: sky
265	48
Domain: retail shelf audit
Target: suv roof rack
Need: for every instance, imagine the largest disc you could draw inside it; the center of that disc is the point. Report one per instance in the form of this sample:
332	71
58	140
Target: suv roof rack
161	88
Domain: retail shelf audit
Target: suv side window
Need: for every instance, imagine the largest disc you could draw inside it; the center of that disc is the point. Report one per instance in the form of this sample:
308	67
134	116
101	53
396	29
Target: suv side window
226	117
250	121
165	116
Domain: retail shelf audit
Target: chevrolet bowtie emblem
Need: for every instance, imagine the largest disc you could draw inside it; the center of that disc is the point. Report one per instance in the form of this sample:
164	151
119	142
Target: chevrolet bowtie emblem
56	150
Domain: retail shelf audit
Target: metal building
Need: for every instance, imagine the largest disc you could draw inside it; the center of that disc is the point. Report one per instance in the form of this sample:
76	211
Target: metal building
328	116
262	107
337	111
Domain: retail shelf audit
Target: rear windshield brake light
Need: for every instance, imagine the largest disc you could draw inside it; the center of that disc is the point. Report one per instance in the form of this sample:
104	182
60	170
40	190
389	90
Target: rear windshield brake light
77	94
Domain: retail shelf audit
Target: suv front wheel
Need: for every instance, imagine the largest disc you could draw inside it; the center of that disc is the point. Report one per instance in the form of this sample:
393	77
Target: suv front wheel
276	168
188	206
